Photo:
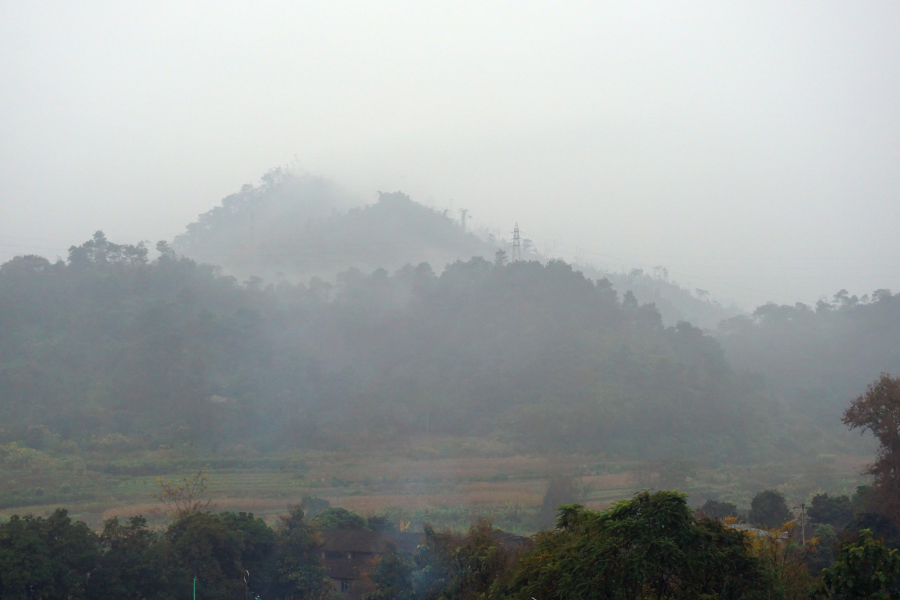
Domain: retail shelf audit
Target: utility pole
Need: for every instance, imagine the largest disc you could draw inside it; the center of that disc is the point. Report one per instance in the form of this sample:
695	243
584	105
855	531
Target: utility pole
195	588
462	214
517	245
802	507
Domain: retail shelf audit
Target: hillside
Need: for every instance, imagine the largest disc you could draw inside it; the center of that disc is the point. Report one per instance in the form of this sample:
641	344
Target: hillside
170	352
818	358
301	226
674	302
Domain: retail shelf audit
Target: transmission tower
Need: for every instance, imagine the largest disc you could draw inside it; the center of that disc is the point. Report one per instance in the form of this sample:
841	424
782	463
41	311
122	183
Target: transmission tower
517	245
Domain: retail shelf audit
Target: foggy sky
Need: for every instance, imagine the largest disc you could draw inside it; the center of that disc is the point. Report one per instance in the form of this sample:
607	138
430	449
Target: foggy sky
752	148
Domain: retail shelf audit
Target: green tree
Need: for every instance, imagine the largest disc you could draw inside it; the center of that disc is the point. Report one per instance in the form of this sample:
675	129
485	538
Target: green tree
714	509
298	565
258	549
46	558
392	577
836	510
647	547
339	518
454	567
865	569
380	523
878	411
129	566
205	546
823	555
769	509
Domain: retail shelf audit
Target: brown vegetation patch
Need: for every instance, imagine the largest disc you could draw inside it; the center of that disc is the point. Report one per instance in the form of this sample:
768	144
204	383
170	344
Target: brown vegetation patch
611	481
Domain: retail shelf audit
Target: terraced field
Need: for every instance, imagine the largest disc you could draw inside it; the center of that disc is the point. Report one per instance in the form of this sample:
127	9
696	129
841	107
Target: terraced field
448	483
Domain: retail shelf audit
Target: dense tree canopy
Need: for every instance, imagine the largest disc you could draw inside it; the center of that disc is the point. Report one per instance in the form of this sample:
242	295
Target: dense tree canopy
647	547
55	557
817	358
865	569
833	510
878	411
170	352
769	509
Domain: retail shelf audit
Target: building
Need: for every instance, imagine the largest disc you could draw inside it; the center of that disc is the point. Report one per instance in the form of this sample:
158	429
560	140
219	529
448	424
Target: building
350	555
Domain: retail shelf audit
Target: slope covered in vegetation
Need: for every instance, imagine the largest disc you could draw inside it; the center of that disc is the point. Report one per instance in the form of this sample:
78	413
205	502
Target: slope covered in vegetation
674	301
299	226
170	352
817	358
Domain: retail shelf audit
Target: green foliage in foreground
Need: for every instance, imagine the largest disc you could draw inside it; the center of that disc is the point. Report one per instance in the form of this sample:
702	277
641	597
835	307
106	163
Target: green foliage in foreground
46	558
54	557
866	569
647	547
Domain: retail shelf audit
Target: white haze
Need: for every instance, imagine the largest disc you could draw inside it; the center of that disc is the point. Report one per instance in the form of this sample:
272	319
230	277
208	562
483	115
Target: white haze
752	148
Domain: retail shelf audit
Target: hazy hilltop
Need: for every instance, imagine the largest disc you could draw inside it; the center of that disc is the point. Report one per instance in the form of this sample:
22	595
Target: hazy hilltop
674	302
298	226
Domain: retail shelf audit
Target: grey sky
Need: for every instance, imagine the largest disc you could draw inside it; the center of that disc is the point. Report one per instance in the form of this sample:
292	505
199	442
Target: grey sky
752	148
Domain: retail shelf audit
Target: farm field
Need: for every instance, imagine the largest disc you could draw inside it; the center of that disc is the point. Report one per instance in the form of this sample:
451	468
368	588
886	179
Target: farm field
449	482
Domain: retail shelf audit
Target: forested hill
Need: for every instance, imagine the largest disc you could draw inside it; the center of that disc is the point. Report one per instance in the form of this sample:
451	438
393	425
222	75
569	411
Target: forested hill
170	352
295	227
818	357
301	226
674	302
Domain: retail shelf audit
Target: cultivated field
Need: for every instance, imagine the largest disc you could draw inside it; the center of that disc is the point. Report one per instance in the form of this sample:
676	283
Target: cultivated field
447	482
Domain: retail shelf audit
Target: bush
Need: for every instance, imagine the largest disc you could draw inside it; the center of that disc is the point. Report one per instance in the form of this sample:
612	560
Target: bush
866	570
650	546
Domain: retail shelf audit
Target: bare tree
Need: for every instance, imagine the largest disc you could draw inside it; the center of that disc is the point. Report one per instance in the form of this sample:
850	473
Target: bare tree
183	497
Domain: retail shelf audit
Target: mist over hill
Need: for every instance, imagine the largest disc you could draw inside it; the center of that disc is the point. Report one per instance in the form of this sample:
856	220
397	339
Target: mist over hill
294	226
171	352
674	302
818	357
297	226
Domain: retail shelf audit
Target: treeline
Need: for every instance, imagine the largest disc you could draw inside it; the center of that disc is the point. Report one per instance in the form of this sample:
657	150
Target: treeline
112	348
818	357
56	557
674	302
651	546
